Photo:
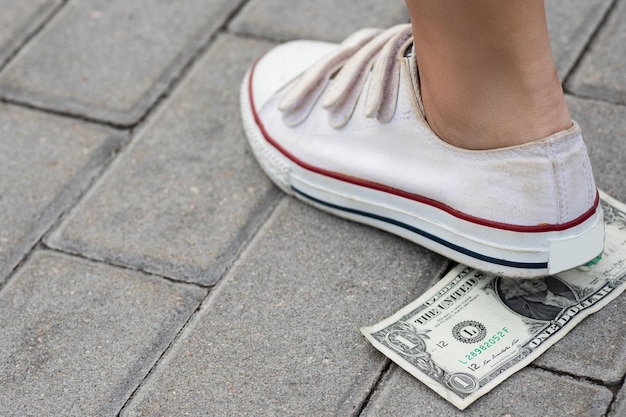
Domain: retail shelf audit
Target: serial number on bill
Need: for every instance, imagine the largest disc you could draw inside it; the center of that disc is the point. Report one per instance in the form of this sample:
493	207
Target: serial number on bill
485	346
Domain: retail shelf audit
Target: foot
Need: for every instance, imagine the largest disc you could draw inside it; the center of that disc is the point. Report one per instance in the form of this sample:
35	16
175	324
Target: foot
342	127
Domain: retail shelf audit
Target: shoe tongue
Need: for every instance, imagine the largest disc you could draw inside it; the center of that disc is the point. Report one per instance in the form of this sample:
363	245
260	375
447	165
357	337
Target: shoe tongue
409	54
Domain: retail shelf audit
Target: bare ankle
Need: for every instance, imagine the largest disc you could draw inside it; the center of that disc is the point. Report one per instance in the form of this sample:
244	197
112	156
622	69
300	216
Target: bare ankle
487	72
495	119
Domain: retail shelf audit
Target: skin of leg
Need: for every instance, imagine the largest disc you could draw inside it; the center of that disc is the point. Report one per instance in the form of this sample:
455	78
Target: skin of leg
487	74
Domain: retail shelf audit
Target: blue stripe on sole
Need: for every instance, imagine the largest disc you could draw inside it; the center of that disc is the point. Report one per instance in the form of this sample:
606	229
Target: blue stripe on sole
457	248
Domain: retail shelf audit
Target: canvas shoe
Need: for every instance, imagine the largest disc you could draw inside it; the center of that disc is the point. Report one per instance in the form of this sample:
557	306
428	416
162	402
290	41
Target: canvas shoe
342	128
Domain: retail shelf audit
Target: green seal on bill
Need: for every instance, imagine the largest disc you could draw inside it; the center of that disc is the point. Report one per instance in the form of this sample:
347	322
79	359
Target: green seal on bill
594	260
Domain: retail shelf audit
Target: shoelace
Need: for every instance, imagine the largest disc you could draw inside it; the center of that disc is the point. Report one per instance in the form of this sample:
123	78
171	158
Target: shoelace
365	51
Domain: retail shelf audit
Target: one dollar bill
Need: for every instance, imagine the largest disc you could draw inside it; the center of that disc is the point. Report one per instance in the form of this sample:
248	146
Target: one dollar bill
473	330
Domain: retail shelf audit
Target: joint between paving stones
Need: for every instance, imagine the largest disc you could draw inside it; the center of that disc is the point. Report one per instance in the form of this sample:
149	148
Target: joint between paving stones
52	12
68	197
158	360
177	77
121	266
615	390
10	274
587	46
212	292
66	114
576	377
383	373
184	70
248	232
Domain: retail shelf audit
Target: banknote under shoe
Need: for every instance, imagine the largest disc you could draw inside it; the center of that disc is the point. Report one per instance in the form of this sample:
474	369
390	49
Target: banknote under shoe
341	126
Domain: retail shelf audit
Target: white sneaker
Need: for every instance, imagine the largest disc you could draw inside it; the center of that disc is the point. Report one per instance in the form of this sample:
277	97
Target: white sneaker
341	127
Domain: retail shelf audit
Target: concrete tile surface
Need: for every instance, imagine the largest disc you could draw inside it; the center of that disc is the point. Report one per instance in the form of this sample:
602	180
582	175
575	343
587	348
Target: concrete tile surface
78	337
328	20
117	57
46	162
602	70
571	25
19	20
188	193
281	334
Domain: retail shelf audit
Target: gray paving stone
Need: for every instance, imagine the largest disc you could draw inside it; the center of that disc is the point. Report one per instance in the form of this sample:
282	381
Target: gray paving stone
530	392
18	20
46	162
116	57
78	337
186	195
601	73
571	25
329	20
280	336
604	130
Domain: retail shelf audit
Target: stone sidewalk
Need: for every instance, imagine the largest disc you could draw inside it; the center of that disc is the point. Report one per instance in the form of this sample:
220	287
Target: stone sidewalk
149	268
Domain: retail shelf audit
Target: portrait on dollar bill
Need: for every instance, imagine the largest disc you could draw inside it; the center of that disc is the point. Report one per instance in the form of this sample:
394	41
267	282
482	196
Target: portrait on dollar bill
539	299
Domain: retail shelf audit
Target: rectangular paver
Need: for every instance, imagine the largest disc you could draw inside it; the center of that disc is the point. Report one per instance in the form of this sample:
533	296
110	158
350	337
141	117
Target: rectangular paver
46	162
188	193
530	392
111	59
280	336
329	20
601	73
18	21
78	337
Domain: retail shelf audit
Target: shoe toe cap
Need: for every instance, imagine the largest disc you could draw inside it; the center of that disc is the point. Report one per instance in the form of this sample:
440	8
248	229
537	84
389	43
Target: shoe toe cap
281	65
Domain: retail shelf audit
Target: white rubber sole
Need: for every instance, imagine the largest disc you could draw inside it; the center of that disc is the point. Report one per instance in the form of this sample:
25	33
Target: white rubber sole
494	250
